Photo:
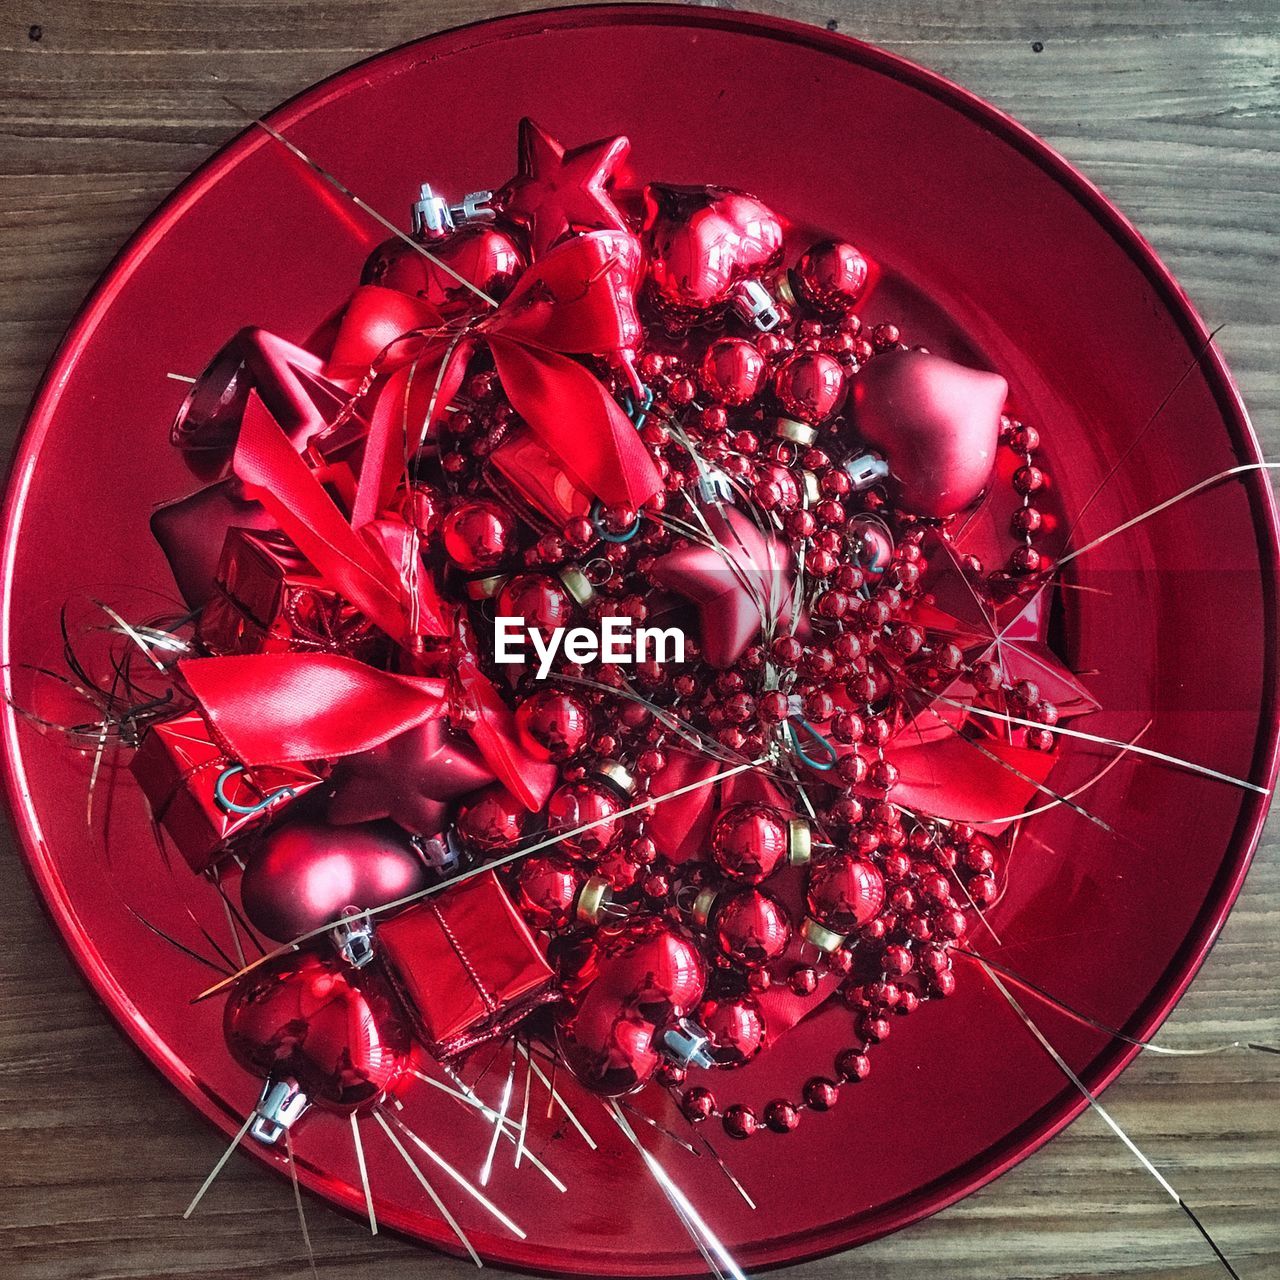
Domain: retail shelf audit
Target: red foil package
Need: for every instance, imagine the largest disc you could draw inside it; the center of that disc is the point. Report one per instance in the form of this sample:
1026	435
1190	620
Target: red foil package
466	965
203	798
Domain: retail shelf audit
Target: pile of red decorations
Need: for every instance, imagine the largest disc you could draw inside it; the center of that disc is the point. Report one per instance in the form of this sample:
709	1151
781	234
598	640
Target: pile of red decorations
569	401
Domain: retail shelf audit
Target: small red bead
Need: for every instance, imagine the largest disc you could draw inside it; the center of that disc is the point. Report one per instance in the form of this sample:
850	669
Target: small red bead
697	1105
781	1116
821	1094
740	1121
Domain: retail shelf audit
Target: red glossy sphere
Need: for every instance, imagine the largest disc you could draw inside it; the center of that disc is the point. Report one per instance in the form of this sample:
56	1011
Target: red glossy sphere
484	255
809	386
477	535
845	892
732	370
584	804
751	927
735	1029
830	277
554	723
491	819
305	1017
749	841
304	874
546	890
541	601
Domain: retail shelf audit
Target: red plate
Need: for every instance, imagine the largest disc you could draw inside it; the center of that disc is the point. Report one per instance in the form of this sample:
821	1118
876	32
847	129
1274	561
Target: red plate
992	249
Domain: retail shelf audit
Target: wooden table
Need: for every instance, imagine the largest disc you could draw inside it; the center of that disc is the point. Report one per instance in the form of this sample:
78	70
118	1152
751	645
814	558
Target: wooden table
1172	106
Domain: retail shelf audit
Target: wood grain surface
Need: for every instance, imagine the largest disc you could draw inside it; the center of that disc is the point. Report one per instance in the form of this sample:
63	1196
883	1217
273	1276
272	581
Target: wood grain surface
1171	106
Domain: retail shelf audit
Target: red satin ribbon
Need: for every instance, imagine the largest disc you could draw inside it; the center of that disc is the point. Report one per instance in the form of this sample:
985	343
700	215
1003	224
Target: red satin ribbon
280	708
578	300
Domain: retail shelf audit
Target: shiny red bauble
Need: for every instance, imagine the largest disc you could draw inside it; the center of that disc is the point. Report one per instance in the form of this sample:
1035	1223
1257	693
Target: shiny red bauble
936	422
590	805
702	242
749	841
751	927
845	892
491	819
484	256
872	545
623	986
732	371
304	874
830	277
546	890
478	535
309	1018
554	723
809	386
540	600
735	1029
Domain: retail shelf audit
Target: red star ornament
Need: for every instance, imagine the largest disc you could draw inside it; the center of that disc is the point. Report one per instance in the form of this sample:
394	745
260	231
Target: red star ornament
730	582
411	779
556	191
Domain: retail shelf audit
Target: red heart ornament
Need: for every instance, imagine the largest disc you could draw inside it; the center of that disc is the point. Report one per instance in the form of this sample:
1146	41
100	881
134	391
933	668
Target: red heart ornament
702	242
305	1019
937	423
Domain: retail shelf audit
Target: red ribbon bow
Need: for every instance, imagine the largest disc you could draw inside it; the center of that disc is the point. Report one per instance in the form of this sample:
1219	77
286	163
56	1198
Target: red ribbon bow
279	708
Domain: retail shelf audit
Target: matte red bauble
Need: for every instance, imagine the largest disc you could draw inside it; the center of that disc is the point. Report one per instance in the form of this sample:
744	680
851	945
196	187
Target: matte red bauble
483	255
732	371
306	1018
702	242
751	927
735	1029
749	841
492	819
304	874
540	600
546	890
830	277
936	422
477	535
581	804
809	386
845	892
554	723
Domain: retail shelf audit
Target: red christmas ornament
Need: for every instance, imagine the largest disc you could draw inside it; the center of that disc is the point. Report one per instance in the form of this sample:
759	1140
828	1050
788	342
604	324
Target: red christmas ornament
830	277
750	841
732	371
715	580
411	779
936	422
478	535
735	1029
751	927
494	819
304	874
305	1018
624	987
584	804
558	191
554	723
546	890
483	255
705	242
541	601
844	893
809	387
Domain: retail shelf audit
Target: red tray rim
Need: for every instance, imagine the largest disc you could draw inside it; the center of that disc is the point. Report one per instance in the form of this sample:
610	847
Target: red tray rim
1111	1061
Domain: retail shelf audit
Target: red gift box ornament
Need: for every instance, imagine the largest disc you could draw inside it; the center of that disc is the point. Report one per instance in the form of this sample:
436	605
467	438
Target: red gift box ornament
202	796
465	965
271	599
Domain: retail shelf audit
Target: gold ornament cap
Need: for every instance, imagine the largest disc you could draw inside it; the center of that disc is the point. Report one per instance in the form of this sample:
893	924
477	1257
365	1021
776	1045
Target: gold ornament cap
823	938
487	587
702	906
577	584
800	433
593	899
616	775
799	842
